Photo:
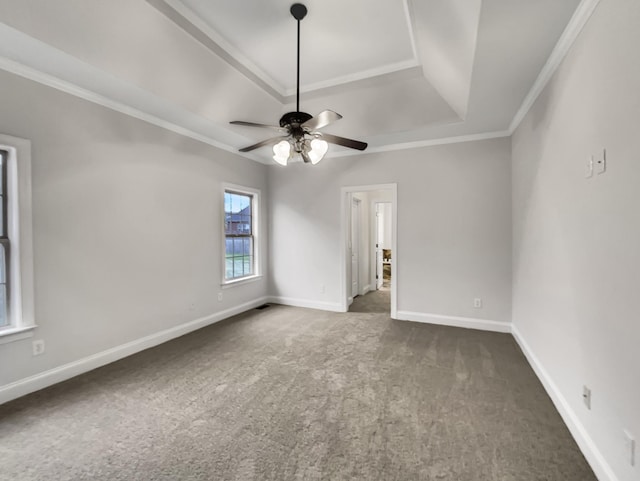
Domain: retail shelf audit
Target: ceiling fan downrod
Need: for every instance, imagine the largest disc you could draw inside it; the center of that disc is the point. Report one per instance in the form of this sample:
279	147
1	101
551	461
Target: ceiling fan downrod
299	11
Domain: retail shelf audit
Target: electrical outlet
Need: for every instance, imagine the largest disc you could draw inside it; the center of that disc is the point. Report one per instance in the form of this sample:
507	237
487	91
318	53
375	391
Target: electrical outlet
219	296
586	397
38	347
477	302
630	444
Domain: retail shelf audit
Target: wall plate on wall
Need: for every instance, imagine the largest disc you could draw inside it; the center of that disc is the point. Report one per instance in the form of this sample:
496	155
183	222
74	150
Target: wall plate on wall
588	168
601	162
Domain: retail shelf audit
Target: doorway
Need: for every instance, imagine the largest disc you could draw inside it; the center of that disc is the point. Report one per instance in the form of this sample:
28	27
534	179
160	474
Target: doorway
369	233
382	261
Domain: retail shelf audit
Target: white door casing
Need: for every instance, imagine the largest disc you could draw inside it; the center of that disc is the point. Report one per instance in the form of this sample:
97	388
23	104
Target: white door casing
355	247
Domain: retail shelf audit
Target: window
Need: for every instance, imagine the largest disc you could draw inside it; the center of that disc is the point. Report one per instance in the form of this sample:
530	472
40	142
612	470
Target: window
16	251
4	241
240	233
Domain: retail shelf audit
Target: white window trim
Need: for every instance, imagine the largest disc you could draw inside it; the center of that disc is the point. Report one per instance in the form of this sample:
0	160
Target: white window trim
20	227
255	218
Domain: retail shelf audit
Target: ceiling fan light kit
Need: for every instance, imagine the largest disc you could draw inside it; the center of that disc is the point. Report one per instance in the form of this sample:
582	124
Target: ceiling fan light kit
301	129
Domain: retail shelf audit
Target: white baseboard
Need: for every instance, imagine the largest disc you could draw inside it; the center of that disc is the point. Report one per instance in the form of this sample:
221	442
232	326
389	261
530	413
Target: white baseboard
596	460
365	289
466	322
58	374
320	305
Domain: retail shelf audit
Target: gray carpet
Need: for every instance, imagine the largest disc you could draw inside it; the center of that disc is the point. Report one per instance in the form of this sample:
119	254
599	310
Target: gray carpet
373	301
296	394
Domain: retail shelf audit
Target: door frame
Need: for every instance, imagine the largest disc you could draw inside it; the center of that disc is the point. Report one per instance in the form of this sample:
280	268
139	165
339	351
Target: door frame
345	227
354	243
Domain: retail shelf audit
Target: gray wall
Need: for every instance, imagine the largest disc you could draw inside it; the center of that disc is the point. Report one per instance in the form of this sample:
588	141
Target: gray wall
454	226
127	226
576	259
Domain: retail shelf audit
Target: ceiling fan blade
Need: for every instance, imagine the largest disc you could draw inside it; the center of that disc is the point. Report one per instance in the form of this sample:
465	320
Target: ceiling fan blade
352	144
262	126
323	119
272	141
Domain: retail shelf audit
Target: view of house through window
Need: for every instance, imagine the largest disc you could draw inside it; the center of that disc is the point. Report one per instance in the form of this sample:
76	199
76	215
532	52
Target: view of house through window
239	235
4	242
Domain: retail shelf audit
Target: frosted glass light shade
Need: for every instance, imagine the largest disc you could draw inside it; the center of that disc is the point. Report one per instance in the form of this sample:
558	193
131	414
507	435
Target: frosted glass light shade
281	152
318	149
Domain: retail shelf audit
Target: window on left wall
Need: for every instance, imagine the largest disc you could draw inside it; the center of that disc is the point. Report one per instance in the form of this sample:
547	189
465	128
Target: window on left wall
5	243
16	243
240	234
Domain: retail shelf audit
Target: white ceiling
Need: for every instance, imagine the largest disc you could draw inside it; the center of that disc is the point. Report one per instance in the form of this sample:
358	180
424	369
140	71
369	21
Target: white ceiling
398	70
262	35
401	72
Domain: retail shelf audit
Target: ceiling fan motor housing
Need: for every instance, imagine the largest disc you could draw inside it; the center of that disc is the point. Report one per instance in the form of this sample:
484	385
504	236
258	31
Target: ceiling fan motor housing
301	133
292	121
294	118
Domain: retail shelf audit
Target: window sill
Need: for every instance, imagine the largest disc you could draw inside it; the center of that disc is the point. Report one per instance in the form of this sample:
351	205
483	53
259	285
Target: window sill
11	334
239	282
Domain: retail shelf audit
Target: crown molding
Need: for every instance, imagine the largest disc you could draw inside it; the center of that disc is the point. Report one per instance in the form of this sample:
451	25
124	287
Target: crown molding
579	19
32	59
424	143
117	95
365	75
72	89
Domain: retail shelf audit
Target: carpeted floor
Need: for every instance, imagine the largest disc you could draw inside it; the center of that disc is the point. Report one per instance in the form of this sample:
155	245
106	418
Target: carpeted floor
296	394
373	301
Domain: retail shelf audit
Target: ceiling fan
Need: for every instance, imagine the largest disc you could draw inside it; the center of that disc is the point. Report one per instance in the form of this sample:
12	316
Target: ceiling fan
301	129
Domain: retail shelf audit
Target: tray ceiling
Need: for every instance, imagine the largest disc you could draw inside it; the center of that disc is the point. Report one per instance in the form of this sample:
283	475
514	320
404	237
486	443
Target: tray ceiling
402	72
340	40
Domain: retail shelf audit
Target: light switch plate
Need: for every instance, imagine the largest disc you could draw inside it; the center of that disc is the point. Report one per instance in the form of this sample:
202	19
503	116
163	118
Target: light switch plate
601	162
586	397
588	168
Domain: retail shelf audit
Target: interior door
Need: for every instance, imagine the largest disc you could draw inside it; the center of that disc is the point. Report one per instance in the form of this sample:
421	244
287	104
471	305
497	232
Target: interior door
355	247
379	240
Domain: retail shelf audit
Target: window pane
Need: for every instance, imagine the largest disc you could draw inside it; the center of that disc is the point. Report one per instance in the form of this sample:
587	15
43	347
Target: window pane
238	270
4	321
246	224
228	246
2	232
237	246
3	265
247	249
248	265
228	268
2	166
237	210
227	202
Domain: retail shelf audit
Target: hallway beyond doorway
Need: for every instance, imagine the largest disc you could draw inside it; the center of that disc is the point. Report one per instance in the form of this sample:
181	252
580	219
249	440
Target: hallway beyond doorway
362	248
374	301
